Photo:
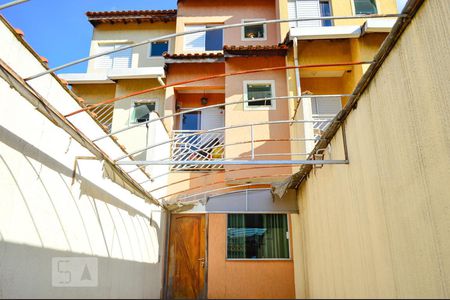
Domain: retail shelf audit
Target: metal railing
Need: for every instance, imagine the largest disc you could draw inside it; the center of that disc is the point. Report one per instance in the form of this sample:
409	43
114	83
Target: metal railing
205	149
320	125
104	115
187	146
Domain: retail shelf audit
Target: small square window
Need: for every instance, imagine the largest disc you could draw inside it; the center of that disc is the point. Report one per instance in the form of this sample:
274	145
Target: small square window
141	111
259	90
365	7
158	48
254	31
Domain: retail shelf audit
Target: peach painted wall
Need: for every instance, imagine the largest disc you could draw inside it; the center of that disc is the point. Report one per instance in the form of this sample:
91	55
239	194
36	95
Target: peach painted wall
185	71
223	12
244	279
235	115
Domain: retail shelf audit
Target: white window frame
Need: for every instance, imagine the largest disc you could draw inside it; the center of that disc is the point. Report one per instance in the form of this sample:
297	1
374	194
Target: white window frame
377	3
243	38
149	52
273	103
139	101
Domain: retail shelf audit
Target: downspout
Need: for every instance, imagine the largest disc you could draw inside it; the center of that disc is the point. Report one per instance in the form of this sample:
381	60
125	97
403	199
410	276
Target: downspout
297	76
161	82
306	102
297	73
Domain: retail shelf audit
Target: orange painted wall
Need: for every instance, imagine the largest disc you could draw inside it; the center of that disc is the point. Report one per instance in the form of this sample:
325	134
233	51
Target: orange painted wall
230	12
188	100
244	279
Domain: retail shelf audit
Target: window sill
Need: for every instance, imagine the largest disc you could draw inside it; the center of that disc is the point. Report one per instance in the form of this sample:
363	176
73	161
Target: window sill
258	259
259	108
254	39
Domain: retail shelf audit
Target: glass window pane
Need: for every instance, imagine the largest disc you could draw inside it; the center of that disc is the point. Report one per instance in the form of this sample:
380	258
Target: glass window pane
158	48
257	236
191	121
141	112
364	7
259	91
325	11
214	40
254	31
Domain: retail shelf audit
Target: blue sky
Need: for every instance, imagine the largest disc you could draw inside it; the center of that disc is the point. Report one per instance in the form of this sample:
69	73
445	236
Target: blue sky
59	30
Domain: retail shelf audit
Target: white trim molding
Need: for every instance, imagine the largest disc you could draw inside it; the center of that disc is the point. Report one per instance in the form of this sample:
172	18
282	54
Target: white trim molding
149	49
273	103
243	38
141	101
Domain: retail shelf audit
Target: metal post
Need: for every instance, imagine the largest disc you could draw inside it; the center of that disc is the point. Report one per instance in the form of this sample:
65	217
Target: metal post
252	143
213	106
12	4
234	162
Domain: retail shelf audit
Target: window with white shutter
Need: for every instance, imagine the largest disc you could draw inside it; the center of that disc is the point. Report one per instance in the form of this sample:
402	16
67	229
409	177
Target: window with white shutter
329	106
105	61
117	60
309	9
122	59
195	42
211	40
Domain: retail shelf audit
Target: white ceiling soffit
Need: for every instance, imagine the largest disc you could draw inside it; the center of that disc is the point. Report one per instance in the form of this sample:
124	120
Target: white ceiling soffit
259	200
85	78
113	74
136	73
379	25
325	32
322	73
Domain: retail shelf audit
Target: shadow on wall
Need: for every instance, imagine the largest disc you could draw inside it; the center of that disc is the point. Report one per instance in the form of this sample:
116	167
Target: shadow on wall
42	215
26	272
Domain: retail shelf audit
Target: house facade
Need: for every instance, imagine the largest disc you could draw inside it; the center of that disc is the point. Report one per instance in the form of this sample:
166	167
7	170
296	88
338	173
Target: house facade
228	237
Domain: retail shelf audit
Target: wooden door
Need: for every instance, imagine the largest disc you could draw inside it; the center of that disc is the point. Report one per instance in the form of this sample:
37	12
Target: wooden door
186	268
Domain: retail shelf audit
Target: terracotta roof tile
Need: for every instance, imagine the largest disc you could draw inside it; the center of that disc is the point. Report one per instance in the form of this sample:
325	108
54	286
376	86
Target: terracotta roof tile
193	55
129	16
255	50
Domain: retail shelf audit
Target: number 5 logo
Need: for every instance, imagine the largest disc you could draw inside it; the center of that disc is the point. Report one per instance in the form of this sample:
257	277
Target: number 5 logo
66	277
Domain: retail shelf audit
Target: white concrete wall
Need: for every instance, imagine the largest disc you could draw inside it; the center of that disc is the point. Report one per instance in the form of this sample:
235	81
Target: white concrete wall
44	215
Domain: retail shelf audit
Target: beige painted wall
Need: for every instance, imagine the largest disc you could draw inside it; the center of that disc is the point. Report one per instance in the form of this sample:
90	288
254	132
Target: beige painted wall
95	93
131	33
379	227
136	138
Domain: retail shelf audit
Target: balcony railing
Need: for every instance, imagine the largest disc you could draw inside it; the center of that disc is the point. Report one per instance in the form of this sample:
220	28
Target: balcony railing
322	122
188	146
104	115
